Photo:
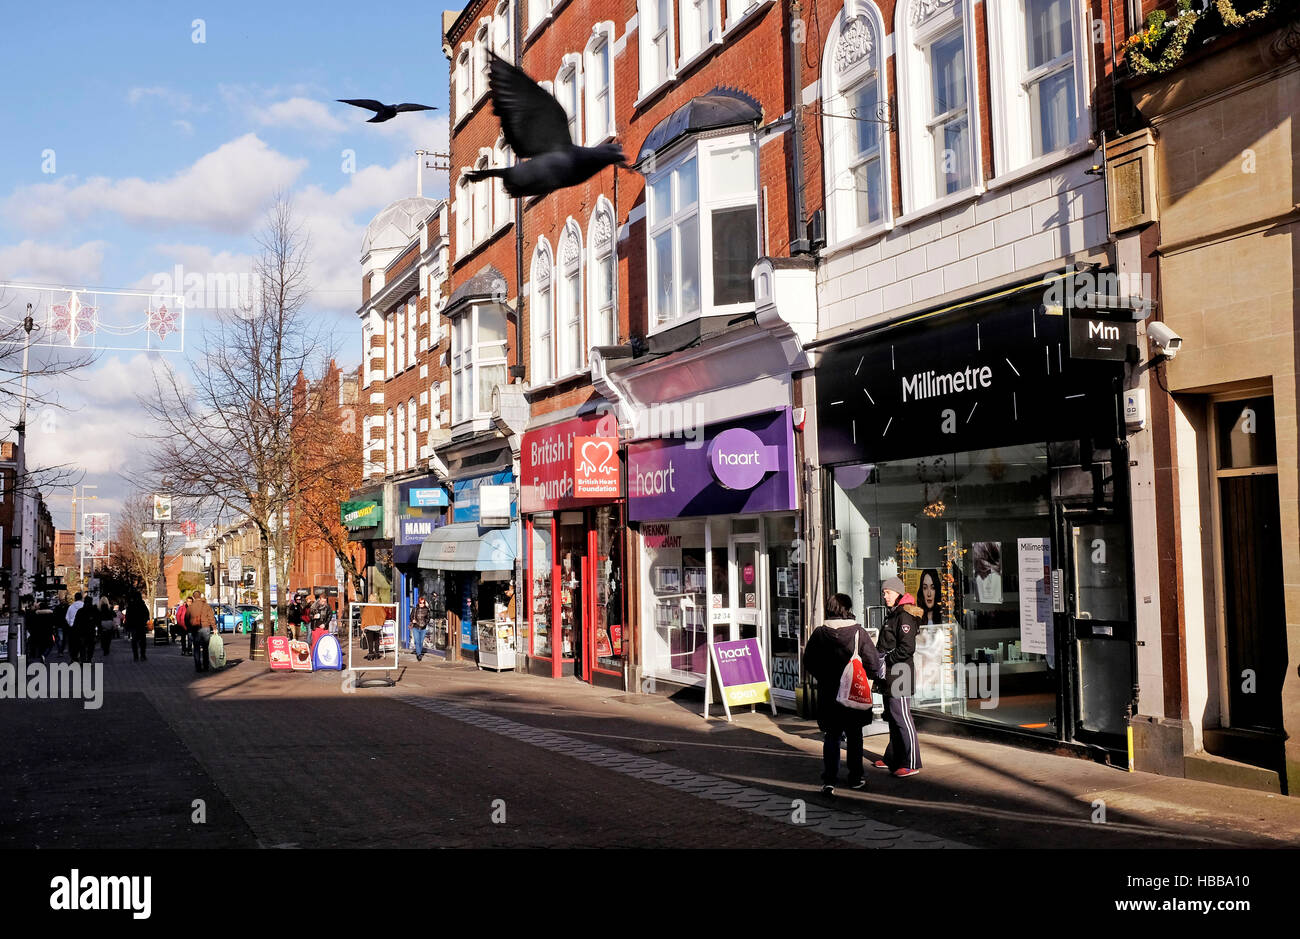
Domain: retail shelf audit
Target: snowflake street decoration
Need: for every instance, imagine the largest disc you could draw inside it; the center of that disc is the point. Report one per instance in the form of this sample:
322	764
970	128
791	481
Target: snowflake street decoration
96	525
73	317
162	321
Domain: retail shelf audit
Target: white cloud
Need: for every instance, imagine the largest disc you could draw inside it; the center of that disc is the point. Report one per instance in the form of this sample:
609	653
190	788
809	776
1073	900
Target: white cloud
301	113
185	127
52	264
225	190
179	100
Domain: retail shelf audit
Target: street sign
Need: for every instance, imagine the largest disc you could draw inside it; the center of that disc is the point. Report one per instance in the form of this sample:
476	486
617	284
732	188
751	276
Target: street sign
162	507
1100	337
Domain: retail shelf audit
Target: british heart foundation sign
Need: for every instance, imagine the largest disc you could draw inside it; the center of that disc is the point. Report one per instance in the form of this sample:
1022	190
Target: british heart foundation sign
595	467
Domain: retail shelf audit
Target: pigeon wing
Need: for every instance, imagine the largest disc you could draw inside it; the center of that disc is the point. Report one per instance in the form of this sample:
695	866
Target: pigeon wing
532	121
414	107
370	103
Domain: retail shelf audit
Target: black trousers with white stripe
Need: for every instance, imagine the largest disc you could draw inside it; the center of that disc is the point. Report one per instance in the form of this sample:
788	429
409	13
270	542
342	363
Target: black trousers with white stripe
904	751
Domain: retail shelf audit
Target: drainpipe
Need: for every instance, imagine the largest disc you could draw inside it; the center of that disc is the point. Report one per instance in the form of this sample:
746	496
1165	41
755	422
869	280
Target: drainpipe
517	370
800	243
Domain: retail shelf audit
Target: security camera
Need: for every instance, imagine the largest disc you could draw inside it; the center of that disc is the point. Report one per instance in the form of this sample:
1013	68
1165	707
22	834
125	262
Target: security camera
1164	340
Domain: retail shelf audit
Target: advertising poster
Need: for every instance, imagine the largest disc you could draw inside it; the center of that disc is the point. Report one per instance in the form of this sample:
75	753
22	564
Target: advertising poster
741	675
595	471
986	558
1035	564
299	656
277	652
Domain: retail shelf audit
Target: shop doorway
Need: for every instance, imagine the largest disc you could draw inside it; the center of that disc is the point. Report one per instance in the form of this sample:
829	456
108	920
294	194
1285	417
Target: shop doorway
744	557
572	578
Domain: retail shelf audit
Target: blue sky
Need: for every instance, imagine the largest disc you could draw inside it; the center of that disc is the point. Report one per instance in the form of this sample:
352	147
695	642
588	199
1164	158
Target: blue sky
168	151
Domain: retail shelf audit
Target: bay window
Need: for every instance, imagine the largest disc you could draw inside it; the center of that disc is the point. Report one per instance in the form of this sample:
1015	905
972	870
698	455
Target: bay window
478	360
702	239
938	110
1040	95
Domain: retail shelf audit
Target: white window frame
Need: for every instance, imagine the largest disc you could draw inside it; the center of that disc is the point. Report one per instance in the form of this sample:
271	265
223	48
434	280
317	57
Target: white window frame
706	204
390	344
739	10
482	43
503	30
464	214
388	444
541	308
649	35
568	91
399	339
503	207
482	200
539	11
412	330
855	55
468	356
599	115
412	435
602	318
919	177
701	27
464	82
399	462
570	349
1013	143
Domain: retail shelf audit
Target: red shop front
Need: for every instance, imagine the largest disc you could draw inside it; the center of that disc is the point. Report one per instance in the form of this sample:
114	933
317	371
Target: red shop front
574	514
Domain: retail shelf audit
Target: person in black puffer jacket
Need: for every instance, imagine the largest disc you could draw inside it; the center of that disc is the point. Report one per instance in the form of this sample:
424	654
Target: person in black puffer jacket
897	643
829	650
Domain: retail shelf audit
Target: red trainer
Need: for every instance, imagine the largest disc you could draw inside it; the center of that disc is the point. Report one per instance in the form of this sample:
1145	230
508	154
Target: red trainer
904	771
880	764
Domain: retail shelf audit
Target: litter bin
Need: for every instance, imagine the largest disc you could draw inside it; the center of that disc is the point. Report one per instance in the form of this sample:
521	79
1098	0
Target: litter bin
161	637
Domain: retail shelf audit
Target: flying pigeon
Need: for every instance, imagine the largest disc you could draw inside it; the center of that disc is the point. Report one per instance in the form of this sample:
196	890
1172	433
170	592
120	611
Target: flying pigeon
386	112
536	128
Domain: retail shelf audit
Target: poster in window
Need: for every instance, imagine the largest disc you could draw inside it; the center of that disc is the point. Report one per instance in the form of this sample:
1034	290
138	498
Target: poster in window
603	647
986	558
694	577
1034	557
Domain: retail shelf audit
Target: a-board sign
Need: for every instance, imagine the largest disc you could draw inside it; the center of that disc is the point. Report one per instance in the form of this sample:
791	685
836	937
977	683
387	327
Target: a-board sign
277	652
326	654
299	656
742	675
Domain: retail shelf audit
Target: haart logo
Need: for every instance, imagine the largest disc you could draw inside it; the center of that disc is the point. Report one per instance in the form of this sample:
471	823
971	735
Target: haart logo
739	458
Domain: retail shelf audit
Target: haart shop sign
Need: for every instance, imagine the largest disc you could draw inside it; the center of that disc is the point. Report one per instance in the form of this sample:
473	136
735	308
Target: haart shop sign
746	466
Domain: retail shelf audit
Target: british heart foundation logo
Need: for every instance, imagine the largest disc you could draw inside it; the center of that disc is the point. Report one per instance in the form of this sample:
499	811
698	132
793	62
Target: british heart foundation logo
595	466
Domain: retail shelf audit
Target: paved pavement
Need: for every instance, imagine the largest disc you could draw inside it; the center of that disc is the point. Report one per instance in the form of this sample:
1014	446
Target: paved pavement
451	756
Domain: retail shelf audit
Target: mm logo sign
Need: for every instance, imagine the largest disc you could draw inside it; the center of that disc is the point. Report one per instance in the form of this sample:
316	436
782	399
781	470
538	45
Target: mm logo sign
1093	337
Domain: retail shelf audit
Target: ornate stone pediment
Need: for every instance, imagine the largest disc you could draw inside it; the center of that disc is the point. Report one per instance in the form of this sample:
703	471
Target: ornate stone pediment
922	10
856	43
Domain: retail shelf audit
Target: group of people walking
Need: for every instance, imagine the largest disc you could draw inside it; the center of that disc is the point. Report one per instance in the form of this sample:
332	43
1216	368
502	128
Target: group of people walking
888	661
78	627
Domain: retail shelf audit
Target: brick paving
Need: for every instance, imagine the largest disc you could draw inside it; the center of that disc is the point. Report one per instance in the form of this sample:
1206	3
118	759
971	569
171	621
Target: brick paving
293	759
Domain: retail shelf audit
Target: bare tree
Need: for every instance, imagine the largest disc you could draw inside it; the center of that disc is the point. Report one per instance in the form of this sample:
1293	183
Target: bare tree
223	437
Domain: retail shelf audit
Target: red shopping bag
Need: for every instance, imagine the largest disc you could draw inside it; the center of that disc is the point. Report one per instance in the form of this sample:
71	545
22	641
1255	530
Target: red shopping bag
855	687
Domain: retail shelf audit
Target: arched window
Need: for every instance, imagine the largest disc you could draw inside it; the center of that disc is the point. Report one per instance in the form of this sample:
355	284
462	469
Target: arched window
482	43
854	126
598	75
412	330
542	309
571	353
412	446
938	106
502	205
503	29
401	438
464	83
482	204
464	215
388	443
602	321
568	93
1039	78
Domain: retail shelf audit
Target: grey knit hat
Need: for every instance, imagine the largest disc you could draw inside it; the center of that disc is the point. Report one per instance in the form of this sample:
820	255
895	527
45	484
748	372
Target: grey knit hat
895	584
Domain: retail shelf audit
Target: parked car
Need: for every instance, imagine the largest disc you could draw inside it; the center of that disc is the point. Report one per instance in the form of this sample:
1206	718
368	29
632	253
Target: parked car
227	618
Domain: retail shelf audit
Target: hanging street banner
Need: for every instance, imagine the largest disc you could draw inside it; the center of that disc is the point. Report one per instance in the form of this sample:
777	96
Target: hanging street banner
162	507
94	534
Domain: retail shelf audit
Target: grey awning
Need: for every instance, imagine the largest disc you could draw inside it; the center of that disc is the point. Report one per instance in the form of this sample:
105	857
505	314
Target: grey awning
466	546
721	107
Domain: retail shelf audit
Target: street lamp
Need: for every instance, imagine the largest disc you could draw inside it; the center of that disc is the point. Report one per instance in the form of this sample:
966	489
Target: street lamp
20	470
160	498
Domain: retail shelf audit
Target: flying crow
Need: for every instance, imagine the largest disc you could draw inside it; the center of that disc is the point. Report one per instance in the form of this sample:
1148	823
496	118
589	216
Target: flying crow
386	112
536	127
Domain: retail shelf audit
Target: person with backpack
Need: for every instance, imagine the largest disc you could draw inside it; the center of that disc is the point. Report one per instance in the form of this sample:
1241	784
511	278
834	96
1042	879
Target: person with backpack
898	645
830	650
183	629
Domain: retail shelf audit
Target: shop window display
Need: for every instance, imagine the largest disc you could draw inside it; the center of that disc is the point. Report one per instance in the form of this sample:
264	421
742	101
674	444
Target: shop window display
676	598
954	527
541	586
785	592
611	636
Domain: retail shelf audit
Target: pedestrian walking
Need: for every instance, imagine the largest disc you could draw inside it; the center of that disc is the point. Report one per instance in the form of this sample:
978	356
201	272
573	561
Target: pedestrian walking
183	629
69	619
40	628
85	626
61	622
137	624
897	643
107	625
201	621
829	650
420	619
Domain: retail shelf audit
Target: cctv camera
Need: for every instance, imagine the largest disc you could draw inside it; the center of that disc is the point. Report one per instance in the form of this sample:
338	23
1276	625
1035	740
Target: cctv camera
1164	340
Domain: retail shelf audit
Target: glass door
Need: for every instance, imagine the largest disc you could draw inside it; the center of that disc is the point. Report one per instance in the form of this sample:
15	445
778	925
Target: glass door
744	560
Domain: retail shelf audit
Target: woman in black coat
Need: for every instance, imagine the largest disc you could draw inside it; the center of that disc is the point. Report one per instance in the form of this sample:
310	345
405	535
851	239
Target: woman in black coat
829	650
